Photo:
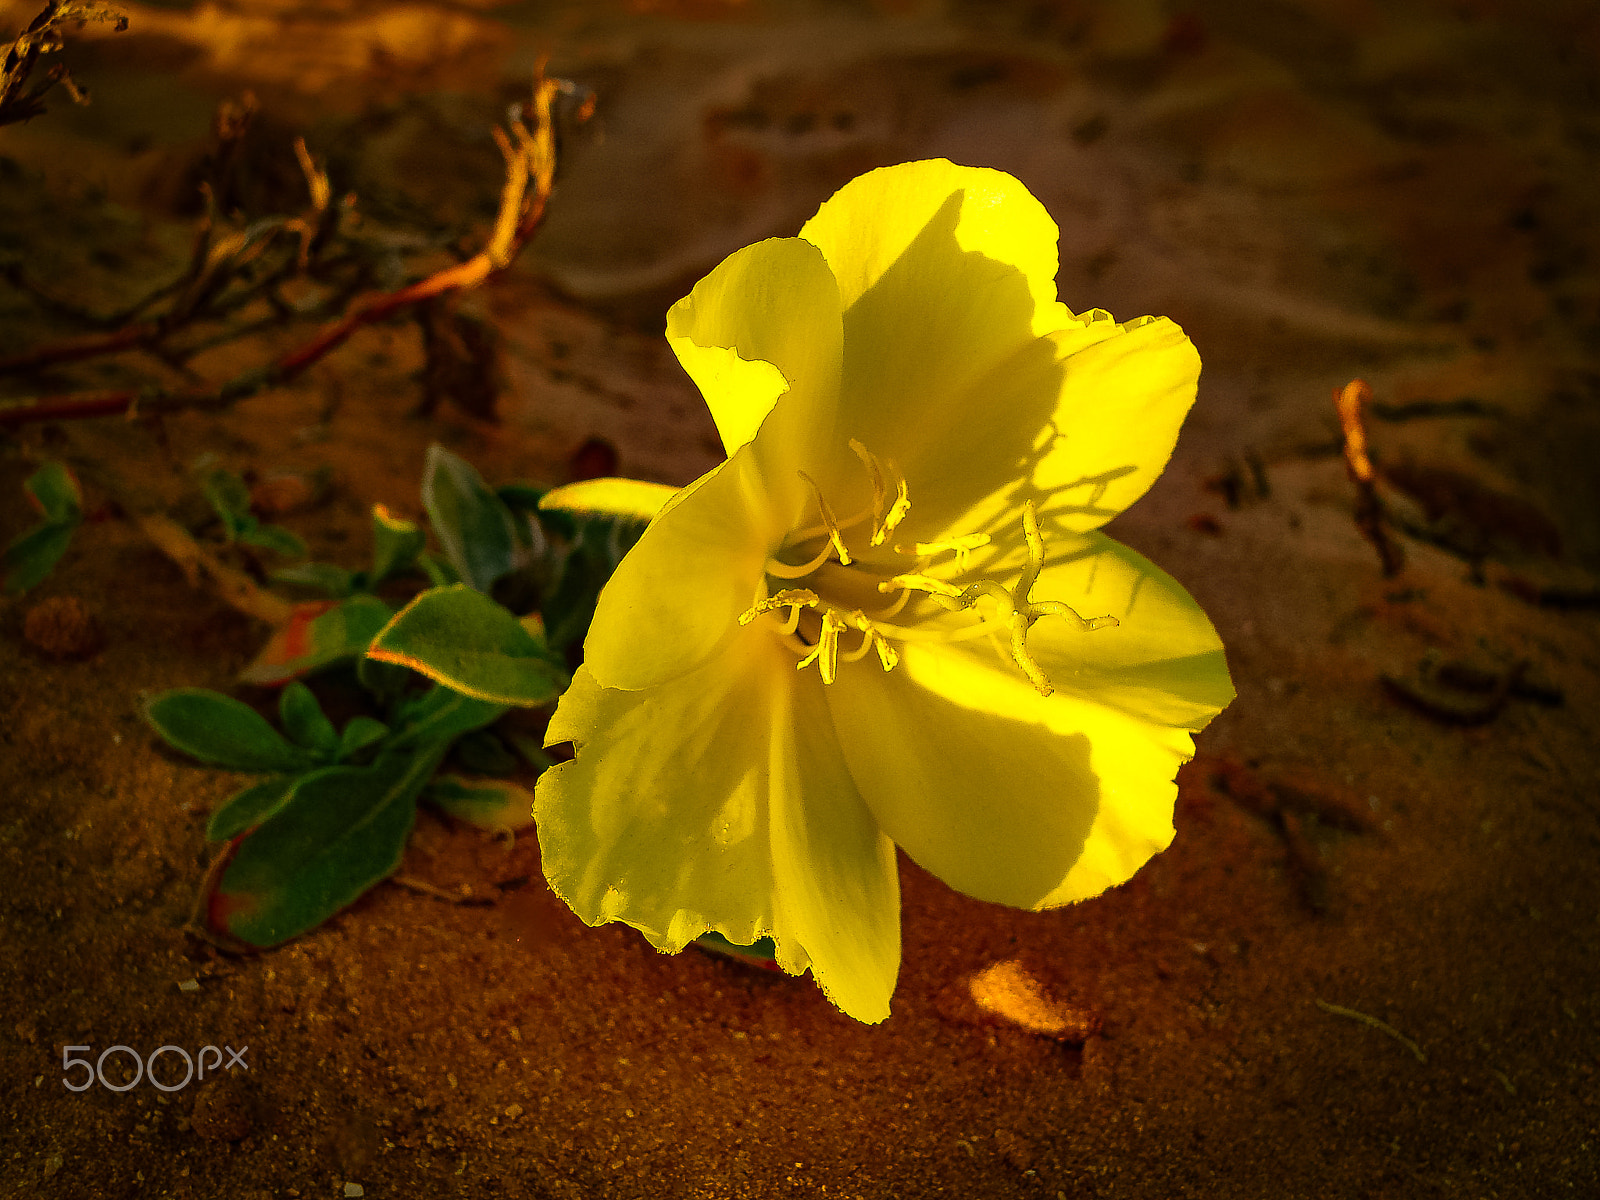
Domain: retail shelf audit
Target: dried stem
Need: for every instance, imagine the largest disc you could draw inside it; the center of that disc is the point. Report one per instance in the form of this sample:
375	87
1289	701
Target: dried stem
1348	402
530	171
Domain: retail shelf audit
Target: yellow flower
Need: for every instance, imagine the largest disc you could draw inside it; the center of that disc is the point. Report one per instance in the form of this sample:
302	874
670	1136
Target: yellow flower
886	618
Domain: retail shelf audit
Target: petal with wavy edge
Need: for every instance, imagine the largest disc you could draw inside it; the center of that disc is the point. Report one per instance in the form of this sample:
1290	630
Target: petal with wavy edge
1118	395
1162	662
1004	794
720	801
678	592
945	272
764	323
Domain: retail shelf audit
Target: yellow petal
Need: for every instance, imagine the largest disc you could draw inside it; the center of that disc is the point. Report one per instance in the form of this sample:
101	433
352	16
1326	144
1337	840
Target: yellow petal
1002	793
1163	661
945	273
720	801
1117	397
764	322
679	592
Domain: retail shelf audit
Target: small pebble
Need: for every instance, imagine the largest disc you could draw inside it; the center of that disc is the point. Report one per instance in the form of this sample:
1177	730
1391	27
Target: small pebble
62	627
513	1111
189	985
354	1189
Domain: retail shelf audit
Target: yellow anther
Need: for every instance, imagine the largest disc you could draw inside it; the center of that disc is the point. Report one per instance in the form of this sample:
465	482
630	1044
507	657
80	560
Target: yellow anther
871	639
959	546
923	583
829	520
790	597
897	512
880	492
826	652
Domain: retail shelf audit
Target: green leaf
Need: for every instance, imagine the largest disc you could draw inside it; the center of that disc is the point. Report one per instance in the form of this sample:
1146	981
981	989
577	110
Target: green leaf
360	734
385	681
466	641
272	537
439	573
598	545
342	830
484	754
491	805
230	500
225	732
396	543
304	722
56	492
442	715
250	807
318	633
472	524
320	577
33	555
520	497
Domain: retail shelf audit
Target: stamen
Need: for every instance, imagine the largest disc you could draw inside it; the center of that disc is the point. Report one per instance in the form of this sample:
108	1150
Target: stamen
829	521
782	570
879	492
871	639
960	546
796	598
826	652
897	513
922	583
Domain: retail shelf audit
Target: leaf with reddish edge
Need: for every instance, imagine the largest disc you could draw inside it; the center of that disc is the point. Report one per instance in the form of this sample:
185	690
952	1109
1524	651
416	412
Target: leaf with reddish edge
54	491
340	832
464	640
318	632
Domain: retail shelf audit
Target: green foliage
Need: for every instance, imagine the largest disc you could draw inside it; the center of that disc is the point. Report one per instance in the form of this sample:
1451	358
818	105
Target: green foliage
463	639
230	500
333	807
34	554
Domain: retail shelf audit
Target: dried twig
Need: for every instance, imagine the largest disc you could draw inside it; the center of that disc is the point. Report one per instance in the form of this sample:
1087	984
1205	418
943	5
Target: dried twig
1348	402
1374	1023
529	155
42	36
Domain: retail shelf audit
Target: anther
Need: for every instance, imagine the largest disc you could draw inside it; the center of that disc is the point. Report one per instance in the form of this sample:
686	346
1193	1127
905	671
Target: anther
796	598
826	652
829	520
959	546
897	512
923	583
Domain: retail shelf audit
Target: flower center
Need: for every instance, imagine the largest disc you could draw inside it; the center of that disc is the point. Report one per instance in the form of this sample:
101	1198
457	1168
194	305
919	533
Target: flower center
829	591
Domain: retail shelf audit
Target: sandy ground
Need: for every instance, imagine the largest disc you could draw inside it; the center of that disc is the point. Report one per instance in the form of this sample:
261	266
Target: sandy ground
1315	189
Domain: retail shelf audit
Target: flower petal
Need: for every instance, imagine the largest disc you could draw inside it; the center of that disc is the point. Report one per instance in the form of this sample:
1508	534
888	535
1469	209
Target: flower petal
1004	794
1163	662
1118	395
720	801
679	591
765	322
945	273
